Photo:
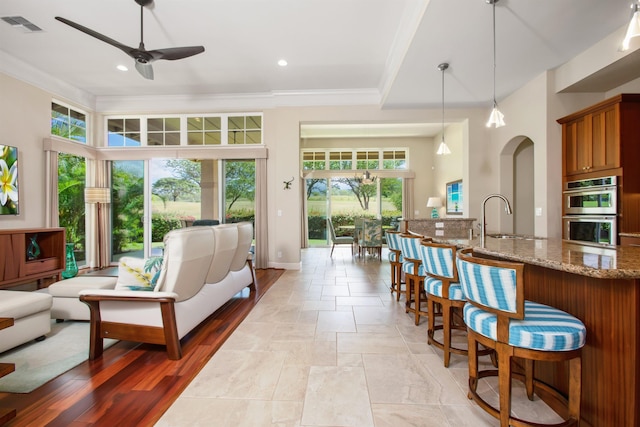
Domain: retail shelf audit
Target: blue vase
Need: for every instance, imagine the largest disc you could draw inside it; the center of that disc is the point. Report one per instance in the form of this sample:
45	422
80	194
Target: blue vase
33	250
71	268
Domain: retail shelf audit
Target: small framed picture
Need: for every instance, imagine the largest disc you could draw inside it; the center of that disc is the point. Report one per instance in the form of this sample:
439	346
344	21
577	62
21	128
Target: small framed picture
454	197
9	173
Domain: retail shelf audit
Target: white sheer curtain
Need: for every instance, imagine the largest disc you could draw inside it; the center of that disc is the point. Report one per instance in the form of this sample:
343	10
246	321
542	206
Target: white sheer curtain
304	225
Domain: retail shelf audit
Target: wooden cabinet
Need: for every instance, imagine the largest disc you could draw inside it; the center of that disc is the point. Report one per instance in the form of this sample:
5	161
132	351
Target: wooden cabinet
591	140
6	369
604	140
16	268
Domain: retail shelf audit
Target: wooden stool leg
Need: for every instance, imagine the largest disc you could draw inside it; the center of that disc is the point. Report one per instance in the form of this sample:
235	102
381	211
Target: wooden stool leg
528	377
473	363
446	329
504	382
575	387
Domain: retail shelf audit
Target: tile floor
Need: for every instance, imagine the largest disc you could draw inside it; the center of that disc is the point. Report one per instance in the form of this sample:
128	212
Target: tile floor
329	346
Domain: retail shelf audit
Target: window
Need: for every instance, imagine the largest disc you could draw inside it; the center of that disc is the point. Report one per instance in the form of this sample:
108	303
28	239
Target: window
314	160
245	130
394	160
200	130
367	160
204	131
340	160
71	207
68	123
163	131
123	132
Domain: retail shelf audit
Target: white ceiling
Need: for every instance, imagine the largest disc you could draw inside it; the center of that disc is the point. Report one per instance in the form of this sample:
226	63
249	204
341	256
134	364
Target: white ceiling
387	47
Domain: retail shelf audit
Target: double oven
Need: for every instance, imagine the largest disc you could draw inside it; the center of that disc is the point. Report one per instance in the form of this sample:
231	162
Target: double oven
591	211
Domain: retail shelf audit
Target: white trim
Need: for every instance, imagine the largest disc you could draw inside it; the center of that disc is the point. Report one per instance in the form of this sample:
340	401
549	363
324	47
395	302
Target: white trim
286	265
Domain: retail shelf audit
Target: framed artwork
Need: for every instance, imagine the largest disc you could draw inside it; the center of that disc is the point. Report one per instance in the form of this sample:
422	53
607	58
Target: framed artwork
8	180
454	197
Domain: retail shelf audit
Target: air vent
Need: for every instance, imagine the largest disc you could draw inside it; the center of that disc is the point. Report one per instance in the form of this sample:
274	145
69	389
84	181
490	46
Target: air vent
19	21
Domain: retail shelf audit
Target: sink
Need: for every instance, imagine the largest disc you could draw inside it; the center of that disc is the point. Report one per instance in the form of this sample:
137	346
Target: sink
513	236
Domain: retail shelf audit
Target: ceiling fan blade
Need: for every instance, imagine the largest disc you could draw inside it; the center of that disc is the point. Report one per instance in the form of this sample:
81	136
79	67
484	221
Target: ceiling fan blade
126	49
173	53
145	69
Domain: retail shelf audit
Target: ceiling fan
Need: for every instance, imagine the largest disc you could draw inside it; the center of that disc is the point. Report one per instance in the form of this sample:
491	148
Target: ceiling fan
143	58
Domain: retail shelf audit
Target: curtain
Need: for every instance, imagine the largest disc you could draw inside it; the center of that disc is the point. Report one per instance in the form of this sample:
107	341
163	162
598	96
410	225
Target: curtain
262	246
407	198
304	225
52	216
99	214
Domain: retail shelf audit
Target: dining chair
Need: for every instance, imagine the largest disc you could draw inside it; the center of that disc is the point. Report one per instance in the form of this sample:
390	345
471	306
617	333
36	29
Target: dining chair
370	238
498	316
341	240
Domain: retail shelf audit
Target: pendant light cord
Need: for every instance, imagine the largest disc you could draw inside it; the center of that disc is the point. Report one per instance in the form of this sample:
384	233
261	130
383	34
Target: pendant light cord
494	53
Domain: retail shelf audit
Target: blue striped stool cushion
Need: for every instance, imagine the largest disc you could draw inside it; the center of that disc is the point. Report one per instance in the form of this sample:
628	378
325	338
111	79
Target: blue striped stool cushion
543	328
434	287
437	260
409	268
395	257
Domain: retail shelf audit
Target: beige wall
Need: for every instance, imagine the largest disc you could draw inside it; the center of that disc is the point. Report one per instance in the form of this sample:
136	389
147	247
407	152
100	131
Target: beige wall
25	113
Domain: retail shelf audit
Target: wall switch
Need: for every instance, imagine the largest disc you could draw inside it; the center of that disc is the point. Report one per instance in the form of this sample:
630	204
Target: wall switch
279	254
439	232
279	212
538	211
416	212
439	224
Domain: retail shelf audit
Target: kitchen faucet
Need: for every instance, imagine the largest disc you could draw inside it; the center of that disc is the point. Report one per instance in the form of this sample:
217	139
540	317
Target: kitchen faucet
483	223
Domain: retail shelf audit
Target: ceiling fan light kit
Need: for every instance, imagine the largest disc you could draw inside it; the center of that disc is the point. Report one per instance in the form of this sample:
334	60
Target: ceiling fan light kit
443	148
142	57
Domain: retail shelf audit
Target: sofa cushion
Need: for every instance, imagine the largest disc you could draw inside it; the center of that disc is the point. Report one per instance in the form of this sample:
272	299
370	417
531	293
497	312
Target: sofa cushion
226	243
70	288
187	258
18	304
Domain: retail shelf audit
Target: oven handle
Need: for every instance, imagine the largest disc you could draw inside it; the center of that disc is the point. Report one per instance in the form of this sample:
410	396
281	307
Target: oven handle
589	191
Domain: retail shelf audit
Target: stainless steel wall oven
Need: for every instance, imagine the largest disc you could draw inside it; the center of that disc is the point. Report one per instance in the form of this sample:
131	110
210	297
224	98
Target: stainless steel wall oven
591	208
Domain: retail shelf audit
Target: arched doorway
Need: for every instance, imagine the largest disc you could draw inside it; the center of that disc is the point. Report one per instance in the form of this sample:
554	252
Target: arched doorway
517	182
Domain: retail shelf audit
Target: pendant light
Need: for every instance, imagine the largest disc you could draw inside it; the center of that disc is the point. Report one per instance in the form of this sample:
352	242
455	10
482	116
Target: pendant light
443	148
633	30
496	118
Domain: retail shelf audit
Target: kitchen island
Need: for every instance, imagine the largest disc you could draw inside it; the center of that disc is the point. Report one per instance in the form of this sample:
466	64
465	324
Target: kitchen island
601	287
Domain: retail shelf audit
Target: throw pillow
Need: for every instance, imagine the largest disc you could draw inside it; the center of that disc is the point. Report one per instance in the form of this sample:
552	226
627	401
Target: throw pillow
133	275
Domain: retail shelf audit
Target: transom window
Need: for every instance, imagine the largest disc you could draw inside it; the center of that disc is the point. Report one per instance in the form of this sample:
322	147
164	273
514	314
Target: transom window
68	123
315	160
345	159
219	129
204	131
367	160
394	160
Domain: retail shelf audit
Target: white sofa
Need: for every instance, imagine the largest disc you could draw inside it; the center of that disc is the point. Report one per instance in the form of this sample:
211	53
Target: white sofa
30	314
203	268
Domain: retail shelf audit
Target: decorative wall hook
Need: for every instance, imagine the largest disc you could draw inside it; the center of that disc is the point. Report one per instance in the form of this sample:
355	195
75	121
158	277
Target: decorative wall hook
287	184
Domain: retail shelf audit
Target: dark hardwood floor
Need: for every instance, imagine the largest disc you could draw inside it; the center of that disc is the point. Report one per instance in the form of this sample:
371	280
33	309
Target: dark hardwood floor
132	384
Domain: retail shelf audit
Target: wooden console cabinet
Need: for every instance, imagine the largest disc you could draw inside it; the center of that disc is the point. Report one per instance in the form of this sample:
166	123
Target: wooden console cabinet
6	369
16	269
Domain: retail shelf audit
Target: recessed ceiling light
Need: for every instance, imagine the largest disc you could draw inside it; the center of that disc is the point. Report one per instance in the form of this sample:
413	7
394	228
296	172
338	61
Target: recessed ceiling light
282	63
122	68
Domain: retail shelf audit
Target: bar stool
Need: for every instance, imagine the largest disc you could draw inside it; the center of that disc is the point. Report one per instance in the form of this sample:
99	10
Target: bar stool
413	274
498	317
395	259
442	287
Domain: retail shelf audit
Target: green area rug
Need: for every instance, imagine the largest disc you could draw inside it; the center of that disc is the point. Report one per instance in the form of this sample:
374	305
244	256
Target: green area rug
66	346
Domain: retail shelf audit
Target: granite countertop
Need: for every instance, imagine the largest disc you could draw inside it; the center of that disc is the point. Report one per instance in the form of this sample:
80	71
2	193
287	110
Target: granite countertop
618	262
